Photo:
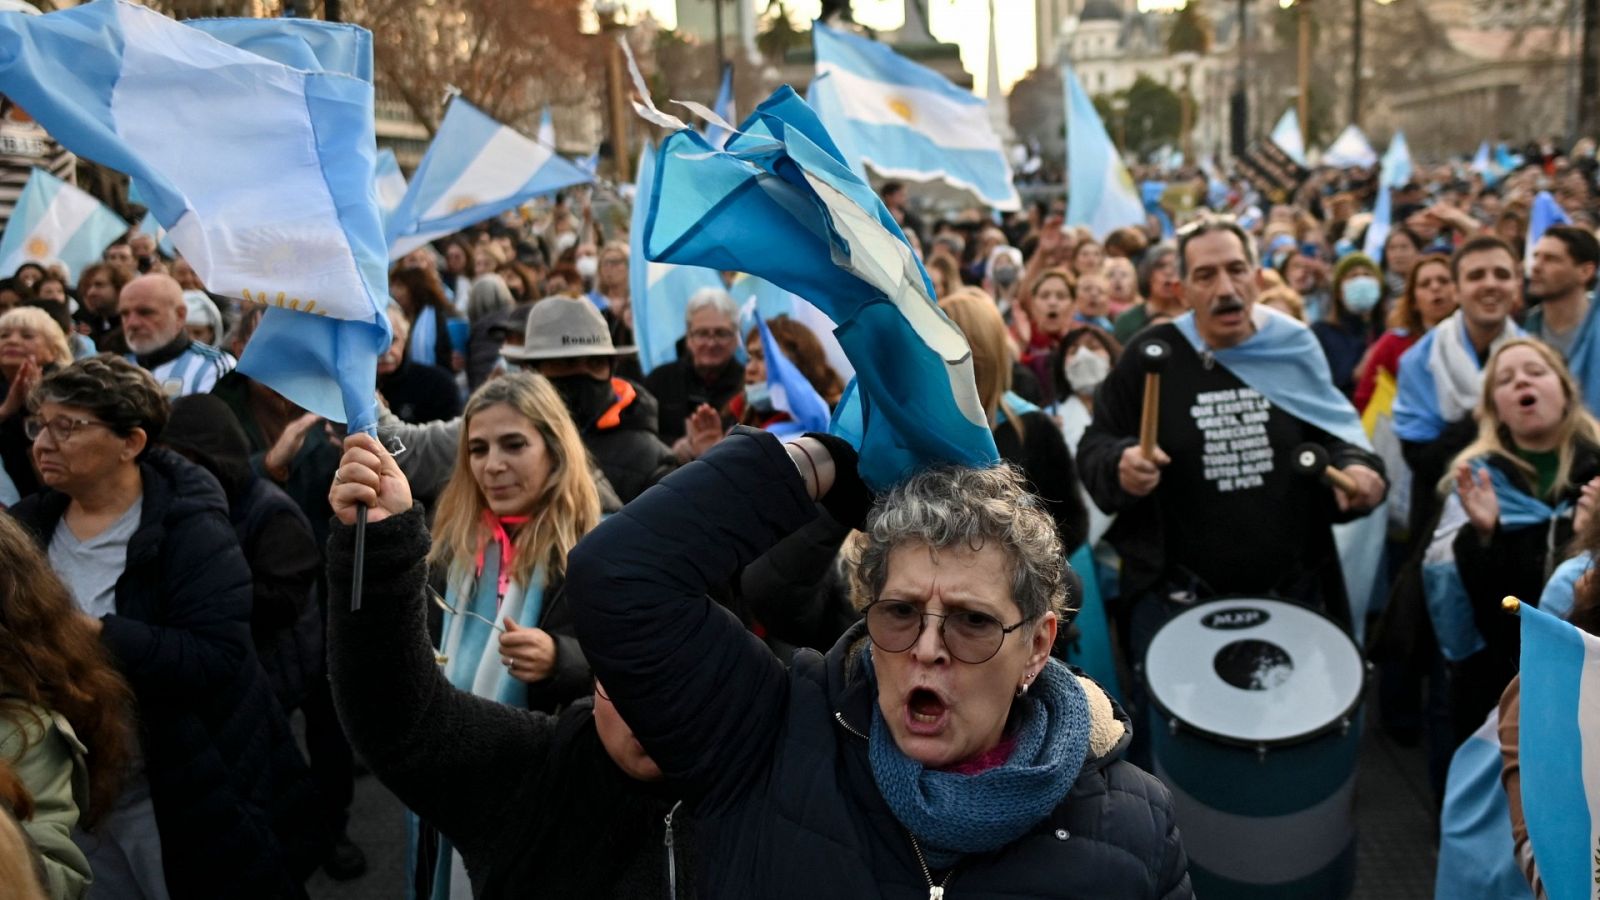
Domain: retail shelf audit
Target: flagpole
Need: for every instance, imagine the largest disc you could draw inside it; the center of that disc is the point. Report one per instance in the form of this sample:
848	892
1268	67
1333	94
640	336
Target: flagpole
358	568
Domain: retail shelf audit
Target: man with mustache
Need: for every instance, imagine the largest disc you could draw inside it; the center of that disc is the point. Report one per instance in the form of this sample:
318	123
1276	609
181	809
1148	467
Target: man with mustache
1218	510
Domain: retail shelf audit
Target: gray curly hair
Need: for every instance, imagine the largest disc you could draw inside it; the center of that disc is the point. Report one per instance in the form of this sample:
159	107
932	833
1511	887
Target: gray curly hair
951	505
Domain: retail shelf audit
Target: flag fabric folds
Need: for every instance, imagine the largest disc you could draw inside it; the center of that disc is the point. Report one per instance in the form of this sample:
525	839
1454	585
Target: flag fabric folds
790	391
56	222
781	203
1476	851
716	135
1544	213
1560	752
474	169
269	193
1100	192
149	225
387	181
1350	149
1396	171
1287	135
660	291
906	120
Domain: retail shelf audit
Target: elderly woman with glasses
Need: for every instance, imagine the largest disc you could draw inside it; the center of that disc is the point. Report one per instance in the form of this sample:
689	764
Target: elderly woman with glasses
219	801
936	747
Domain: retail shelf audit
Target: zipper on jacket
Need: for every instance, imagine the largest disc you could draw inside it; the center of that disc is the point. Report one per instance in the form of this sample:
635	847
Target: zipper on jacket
672	859
935	891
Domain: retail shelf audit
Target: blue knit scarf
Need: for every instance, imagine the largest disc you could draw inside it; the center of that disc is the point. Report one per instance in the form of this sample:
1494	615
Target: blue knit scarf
953	815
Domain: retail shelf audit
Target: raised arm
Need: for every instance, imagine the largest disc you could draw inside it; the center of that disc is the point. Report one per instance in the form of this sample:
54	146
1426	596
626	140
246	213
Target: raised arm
702	694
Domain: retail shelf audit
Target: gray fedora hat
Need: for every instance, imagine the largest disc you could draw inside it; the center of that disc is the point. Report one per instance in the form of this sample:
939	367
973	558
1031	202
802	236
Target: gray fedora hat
562	327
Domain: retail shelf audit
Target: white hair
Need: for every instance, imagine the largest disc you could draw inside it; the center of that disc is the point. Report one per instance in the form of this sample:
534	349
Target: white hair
713	298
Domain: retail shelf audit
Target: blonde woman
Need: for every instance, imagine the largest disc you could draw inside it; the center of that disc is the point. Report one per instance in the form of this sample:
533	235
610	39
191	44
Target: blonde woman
32	344
1516	495
518	500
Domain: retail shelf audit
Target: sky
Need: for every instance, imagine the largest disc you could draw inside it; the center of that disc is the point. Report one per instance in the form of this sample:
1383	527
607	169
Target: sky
962	22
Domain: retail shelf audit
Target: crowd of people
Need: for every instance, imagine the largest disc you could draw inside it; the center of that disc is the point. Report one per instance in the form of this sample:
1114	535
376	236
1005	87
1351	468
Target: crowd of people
618	640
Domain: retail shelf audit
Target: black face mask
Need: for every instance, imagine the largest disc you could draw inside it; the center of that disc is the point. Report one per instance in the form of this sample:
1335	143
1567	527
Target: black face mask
586	397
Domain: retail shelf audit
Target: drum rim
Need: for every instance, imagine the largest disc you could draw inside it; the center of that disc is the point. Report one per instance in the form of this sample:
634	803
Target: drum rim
1339	721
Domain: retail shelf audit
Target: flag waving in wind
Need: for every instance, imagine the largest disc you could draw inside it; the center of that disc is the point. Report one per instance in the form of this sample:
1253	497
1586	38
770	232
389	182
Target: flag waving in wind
660	292
1396	171
906	120
268	193
789	390
1287	135
1100	192
716	135
475	168
1559	735
56	222
780	203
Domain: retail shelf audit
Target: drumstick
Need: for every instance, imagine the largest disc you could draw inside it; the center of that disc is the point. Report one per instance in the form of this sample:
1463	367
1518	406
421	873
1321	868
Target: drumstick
1153	358
1312	459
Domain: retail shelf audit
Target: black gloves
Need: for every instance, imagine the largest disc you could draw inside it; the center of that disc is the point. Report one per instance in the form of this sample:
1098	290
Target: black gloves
849	500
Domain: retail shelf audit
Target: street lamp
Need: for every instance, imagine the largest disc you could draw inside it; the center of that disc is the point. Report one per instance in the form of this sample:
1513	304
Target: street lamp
610	13
1302	66
1119	107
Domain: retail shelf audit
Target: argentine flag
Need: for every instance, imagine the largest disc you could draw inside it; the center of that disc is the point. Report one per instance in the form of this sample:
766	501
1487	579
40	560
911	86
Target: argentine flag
1545	213
149	225
1350	149
268	194
387	181
1286	134
790	391
1395	172
780	203
476	168
56	222
906	120
660	291
769	300
1100	192
1560	752
716	135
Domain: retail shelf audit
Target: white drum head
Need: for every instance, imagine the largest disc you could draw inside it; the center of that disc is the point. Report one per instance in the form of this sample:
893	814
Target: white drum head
1254	671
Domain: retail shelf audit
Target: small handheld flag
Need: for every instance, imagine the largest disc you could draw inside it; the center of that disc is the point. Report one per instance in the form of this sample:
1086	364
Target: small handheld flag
56	222
1101	194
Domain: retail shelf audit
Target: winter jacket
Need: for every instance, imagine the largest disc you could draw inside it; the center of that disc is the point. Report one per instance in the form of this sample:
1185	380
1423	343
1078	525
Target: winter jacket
1042	454
679	390
233	798
284	558
532	802
775	759
54	771
311	470
623	441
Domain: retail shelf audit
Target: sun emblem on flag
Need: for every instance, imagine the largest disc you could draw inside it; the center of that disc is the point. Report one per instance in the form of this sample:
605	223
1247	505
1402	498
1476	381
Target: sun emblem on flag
463	202
902	108
36	247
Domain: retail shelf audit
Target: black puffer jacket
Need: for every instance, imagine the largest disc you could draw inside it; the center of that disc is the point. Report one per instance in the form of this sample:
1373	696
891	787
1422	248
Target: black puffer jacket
623	441
233	798
787	803
532	801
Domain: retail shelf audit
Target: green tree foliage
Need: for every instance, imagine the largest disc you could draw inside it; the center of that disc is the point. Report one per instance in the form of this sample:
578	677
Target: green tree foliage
1151	118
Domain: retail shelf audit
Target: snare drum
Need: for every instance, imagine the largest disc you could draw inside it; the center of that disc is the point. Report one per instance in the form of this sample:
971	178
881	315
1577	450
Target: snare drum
1255	730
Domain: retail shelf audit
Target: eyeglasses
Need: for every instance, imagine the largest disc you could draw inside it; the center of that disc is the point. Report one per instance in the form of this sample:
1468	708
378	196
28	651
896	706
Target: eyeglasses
971	637
61	428
712	334
444	604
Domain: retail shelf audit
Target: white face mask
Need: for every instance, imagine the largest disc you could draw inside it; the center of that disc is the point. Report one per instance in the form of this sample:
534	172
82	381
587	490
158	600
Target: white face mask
1086	369
588	265
1361	294
564	240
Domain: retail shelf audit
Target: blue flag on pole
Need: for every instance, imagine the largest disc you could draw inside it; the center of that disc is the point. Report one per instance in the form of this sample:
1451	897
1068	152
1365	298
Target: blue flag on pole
906	120
476	168
56	222
387	181
790	391
1545	213
1395	172
660	291
1560	752
781	204
1287	135
1100	192
716	135
269	192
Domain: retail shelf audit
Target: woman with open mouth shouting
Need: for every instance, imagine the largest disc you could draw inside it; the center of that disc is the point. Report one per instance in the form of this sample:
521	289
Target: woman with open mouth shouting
1518	494
937	750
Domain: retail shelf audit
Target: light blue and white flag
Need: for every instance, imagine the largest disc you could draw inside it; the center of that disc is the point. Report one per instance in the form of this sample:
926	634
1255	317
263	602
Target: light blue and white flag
1560	753
1477	856
770	300
1395	172
475	169
56	222
716	135
660	291
547	128
1505	159
387	181
149	225
1288	136
269	193
780	203
1483	164
790	392
1545	213
1100	192
589	164
906	120
1350	149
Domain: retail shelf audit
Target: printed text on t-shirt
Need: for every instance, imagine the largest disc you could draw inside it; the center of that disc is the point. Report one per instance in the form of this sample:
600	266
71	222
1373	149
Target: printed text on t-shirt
1234	423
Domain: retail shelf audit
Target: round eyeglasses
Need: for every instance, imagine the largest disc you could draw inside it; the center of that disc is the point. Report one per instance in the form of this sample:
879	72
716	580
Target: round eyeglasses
971	637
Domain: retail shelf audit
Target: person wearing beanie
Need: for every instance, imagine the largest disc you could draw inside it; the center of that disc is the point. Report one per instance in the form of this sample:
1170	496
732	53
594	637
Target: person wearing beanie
1353	318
